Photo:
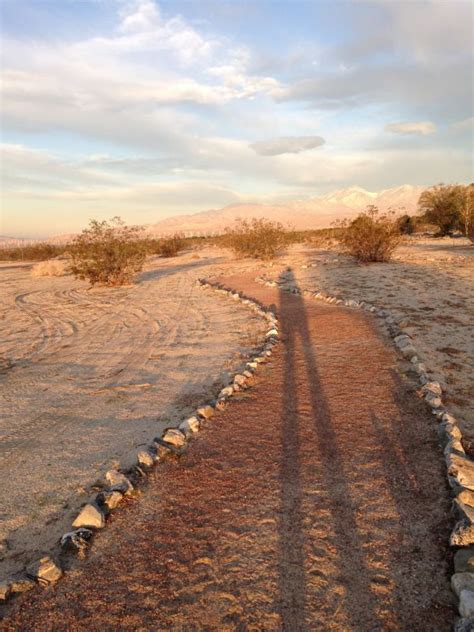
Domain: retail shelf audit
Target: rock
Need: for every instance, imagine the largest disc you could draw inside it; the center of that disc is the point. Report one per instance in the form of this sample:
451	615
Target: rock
90	516
247	374
408	352
111	499
272	332
462	534
466	497
252	365
226	392
145	458
433	400
189	426
78	539
44	570
206	412
119	482
5	591
240	380
221	404
462	581
464	625
464	561
20	584
174	437
461	469
466	603
432	387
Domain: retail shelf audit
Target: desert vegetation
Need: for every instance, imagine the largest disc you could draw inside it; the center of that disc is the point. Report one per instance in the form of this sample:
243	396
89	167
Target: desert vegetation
108	253
372	236
32	252
449	208
51	267
256	238
167	246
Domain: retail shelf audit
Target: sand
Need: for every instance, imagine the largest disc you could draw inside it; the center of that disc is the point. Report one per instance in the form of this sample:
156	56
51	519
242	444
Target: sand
91	375
97	373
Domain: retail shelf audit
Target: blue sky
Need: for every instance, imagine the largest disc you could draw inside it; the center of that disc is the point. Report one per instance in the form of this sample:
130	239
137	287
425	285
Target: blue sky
149	109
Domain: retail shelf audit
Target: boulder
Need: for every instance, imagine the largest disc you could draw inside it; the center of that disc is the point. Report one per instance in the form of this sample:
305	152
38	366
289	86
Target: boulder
44	570
90	516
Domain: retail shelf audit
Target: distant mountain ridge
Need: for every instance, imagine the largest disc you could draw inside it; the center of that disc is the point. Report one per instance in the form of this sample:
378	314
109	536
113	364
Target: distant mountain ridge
316	212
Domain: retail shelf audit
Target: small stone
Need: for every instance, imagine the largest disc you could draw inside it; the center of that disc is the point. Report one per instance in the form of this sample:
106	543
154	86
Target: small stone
206	412
462	581
119	482
90	516
272	332
462	470
466	497
77	539
174	437
226	392
462	534
252	365
144	458
4	591
20	584
189	426
44	570
464	561
466	603
433	401
240	380
432	387
112	499
220	405
247	374
464	625
408	351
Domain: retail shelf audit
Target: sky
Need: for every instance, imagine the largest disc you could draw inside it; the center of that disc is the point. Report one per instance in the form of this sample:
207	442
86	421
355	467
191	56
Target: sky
148	109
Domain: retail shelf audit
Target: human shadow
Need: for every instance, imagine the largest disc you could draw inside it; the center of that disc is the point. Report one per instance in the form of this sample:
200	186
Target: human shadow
293	544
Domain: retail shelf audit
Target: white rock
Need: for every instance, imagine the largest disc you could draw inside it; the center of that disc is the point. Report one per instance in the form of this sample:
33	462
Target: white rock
119	481
90	516
462	581
175	437
466	603
226	392
189	425
44	570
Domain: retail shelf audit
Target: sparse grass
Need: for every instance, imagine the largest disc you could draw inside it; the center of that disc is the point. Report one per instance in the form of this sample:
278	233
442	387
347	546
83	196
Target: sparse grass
257	238
108	253
50	268
371	237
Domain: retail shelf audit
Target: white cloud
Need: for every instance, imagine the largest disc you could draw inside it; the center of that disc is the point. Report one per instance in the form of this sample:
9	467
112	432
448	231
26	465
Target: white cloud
287	145
422	128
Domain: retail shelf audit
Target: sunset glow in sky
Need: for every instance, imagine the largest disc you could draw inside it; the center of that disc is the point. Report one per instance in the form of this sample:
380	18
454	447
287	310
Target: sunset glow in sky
149	109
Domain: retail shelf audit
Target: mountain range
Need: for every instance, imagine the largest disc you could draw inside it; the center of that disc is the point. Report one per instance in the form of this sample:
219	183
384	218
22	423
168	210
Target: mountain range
315	212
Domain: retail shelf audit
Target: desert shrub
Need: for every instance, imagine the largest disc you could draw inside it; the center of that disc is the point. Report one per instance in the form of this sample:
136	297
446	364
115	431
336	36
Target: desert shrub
257	238
371	236
441	205
40	251
406	224
467	211
51	267
170	246
108	253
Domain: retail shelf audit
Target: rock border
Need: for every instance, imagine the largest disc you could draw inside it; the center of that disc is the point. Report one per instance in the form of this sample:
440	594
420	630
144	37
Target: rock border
173	442
460	468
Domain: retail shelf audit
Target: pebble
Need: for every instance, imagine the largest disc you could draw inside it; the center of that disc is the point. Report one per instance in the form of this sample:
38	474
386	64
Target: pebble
90	516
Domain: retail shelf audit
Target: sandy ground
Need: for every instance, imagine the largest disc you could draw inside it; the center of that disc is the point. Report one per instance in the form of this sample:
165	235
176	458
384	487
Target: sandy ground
431	283
316	501
89	375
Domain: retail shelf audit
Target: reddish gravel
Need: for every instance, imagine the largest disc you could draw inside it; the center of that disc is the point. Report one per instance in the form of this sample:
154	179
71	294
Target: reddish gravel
316	501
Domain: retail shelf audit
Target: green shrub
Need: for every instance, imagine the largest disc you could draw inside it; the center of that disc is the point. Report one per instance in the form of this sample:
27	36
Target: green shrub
170	246
108	253
257	238
372	236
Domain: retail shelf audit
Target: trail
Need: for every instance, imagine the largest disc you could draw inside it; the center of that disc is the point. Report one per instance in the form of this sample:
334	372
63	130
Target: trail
315	501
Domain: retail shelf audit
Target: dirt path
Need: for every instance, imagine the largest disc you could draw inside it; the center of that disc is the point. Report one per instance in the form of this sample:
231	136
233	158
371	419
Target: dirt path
314	502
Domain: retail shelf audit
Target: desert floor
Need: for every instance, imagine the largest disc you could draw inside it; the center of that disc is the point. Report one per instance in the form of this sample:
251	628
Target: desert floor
91	375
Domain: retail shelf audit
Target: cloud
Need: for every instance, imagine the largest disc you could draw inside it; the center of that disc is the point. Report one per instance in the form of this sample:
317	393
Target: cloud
287	145
421	128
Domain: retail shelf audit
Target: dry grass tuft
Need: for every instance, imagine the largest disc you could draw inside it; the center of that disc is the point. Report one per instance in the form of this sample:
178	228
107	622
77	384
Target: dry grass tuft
51	268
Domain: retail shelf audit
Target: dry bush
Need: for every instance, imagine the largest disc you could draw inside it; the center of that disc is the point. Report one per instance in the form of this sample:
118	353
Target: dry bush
51	267
108	253
170	246
40	251
257	238
372	236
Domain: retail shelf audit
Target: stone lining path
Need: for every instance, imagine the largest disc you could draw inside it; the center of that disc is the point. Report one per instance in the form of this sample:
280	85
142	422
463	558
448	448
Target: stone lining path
316	501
